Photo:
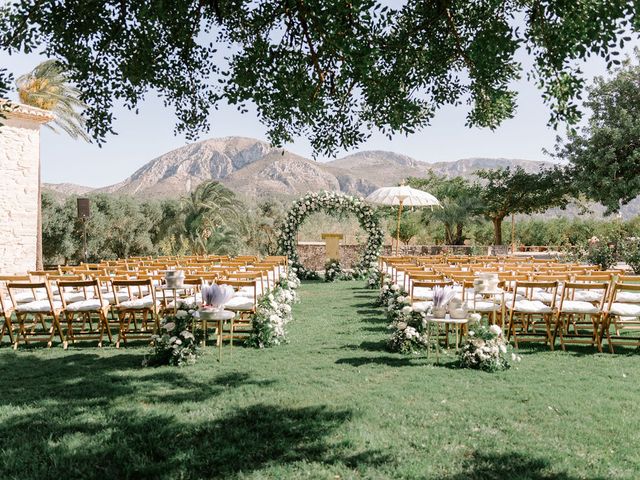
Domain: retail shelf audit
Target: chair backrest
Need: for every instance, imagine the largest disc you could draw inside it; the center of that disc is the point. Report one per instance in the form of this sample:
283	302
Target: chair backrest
573	290
139	286
529	287
6	304
255	277
624	293
33	288
90	288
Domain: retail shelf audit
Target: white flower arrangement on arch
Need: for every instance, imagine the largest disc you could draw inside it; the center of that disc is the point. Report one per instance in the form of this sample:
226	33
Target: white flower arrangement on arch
336	204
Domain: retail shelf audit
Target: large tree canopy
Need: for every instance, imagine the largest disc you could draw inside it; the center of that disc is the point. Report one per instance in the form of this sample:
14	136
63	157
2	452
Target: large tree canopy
510	191
330	70
604	156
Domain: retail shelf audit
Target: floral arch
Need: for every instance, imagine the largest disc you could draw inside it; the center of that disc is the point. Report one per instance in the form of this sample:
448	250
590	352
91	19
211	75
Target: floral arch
334	204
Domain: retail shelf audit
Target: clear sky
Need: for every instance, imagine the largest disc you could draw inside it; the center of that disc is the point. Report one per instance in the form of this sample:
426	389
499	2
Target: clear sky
149	134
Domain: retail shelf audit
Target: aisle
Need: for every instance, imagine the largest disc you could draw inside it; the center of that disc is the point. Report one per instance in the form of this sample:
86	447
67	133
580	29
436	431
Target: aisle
332	403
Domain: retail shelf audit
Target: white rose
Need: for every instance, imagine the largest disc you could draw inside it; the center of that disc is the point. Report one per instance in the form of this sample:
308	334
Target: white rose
406	310
395	287
495	329
475	317
400	299
181	314
503	348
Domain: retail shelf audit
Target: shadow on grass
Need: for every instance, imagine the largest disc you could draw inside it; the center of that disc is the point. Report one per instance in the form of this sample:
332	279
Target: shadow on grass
378	315
379	346
386	360
86	416
481	466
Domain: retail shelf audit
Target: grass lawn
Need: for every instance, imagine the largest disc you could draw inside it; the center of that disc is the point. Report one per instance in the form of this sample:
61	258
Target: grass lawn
331	404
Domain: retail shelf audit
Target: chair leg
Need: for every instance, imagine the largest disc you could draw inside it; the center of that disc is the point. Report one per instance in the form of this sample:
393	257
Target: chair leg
8	326
547	323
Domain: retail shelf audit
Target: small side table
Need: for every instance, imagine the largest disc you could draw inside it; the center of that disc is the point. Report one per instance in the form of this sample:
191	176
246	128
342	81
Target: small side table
447	320
219	317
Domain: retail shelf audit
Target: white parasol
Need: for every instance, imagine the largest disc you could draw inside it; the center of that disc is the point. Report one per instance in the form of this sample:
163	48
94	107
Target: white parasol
402	196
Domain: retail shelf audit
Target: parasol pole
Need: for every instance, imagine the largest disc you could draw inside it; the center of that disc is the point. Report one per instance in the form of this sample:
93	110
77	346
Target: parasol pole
398	228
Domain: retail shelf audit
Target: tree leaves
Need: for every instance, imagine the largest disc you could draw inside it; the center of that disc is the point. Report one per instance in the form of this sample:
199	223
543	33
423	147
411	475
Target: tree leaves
330	71
605	154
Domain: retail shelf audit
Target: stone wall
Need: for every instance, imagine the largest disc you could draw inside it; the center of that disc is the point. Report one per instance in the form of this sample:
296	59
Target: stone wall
19	171
312	254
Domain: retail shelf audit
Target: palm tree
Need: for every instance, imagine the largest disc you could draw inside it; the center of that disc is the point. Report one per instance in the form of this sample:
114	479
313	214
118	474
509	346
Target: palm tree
48	87
207	210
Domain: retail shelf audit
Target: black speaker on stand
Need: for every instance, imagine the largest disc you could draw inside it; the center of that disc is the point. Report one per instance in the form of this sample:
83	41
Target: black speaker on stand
84	212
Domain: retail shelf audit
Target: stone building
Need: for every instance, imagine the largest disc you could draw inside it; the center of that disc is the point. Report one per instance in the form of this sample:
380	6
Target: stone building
20	174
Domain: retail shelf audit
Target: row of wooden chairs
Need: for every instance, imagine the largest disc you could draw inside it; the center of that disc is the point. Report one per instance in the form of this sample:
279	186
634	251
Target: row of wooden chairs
572	303
130	300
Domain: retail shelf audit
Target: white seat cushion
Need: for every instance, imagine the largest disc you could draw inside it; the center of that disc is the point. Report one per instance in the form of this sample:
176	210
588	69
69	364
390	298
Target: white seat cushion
72	297
87	305
508	298
248	292
38	306
542	296
577	306
190	301
483	306
627	297
240	303
625	309
24	296
421	306
422	293
530	306
144	302
588	295
109	297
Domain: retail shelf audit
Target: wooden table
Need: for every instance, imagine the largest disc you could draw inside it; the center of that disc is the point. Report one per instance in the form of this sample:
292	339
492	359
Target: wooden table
446	320
219	317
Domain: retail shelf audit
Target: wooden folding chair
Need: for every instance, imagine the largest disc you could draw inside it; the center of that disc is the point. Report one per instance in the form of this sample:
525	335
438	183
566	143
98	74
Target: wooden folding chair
528	311
39	310
244	302
143	303
580	313
79	313
623	314
6	305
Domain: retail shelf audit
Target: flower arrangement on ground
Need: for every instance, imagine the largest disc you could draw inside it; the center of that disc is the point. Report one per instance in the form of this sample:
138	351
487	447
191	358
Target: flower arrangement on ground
486	349
305	274
409	331
336	204
395	299
373	277
177	342
273	313
332	271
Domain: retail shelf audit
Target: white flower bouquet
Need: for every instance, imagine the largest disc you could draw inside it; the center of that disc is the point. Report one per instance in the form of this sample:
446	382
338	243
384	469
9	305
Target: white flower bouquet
486	349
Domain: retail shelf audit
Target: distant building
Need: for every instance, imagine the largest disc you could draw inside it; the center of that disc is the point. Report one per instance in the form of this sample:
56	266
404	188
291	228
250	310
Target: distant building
20	178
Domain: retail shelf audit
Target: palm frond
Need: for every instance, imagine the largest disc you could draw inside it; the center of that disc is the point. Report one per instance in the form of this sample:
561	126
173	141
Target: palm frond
47	87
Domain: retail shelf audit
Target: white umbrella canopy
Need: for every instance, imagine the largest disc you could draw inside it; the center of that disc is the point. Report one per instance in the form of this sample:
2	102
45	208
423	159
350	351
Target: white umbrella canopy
401	196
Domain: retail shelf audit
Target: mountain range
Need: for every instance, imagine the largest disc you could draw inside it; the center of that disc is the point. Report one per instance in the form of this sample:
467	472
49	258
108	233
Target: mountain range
255	170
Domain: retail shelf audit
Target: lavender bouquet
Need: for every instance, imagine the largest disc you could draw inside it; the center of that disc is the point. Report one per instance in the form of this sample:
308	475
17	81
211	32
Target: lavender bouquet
216	296
441	298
